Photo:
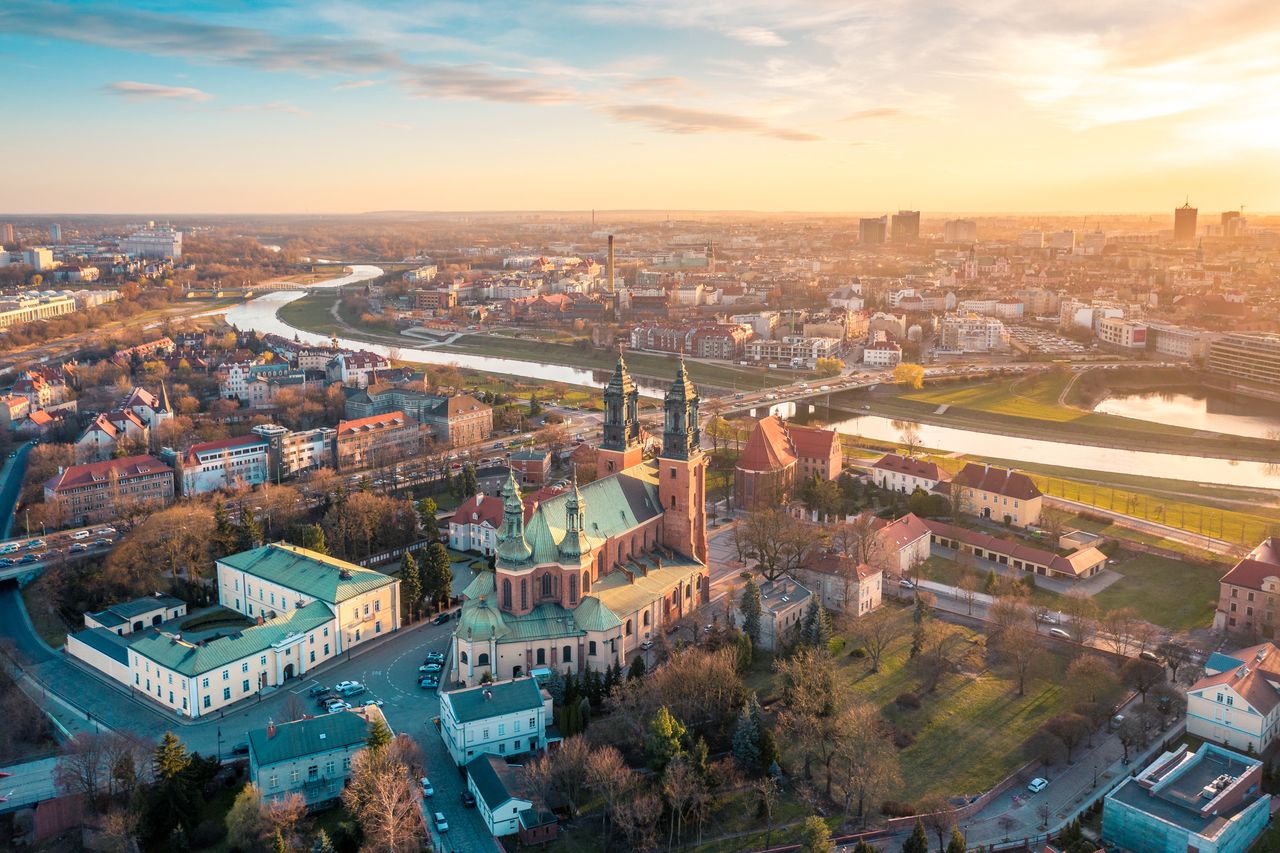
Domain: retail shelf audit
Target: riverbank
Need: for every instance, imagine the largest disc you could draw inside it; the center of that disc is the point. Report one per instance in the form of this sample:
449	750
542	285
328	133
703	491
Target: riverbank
317	313
1032	418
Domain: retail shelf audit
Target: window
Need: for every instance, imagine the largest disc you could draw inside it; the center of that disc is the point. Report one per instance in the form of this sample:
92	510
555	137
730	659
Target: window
486	734
377	627
524	593
326	649
244	667
645	620
586	582
591	648
502	729
568	654
546	584
244	686
226	694
226	675
313	656
506	593
273	781
1251	596
533	723
462	657
629	626
262	661
377	606
541	656
294	776
328	768
204	682
206	700
482	659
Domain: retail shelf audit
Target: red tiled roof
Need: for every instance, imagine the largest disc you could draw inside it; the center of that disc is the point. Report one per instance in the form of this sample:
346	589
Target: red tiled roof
464	403
1252	679
911	466
1250	573
811	443
996	480
95	472
1074	564
389	420
830	562
478	509
897	535
769	448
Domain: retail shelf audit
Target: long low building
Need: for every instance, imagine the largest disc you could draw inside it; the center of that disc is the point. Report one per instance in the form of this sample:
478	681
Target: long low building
1083	563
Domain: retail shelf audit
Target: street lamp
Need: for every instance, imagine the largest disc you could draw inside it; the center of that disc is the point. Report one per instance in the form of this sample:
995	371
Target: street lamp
219	743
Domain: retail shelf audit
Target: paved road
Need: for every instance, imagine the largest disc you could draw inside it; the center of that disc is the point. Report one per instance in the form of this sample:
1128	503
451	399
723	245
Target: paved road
11	486
1177	534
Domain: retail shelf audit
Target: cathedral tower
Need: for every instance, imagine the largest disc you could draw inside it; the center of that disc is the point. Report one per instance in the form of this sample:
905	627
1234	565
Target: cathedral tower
620	448
682	482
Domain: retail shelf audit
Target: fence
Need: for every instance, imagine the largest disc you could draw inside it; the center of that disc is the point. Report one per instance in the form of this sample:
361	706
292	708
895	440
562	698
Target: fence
395	553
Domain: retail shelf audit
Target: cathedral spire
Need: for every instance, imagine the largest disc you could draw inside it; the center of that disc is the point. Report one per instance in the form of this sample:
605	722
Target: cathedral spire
574	543
512	546
681	433
621	409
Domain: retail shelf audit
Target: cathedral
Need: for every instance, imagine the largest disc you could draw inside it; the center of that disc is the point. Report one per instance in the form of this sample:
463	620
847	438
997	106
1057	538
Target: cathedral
593	574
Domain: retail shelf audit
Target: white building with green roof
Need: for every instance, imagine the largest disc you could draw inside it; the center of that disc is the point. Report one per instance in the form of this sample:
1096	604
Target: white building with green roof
310	757
595	572
307	607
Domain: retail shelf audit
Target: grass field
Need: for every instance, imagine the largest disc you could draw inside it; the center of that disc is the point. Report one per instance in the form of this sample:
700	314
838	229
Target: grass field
48	623
968	733
1023	397
1175	594
313	312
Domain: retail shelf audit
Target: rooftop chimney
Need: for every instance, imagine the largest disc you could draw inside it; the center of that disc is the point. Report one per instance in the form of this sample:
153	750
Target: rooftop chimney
488	694
271	729
609	265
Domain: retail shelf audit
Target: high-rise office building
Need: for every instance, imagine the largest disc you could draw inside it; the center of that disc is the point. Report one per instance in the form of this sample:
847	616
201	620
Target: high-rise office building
905	225
55	233
960	231
1233	223
152	242
1184	223
871	231
8	233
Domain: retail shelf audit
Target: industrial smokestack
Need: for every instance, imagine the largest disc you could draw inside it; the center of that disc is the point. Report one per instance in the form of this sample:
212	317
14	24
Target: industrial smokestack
609	264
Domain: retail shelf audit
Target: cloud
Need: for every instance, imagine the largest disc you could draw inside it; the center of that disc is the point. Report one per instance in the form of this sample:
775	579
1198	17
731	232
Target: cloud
355	84
478	83
140	91
270	107
682	120
872	112
758	36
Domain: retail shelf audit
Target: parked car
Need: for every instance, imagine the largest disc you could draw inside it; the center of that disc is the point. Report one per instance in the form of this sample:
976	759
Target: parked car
345	685
906	584
10	547
468	799
1059	633
35	544
434	657
104	543
1047	617
429	668
427	789
336	706
429	682
31	558
1038	784
442	618
104	531
317	690
1147	654
241	748
442	825
646	645
354	690
76	547
81	534
7	561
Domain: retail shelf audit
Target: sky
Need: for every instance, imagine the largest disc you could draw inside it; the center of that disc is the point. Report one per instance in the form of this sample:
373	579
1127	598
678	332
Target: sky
345	106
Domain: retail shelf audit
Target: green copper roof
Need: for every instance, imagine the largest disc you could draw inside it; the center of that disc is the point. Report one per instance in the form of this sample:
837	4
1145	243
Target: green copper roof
481	620
592	615
191	659
481	586
494	700
621	595
486	772
611	506
324	733
316	575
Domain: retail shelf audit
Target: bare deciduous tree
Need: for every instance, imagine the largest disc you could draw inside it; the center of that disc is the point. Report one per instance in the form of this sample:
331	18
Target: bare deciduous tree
876	631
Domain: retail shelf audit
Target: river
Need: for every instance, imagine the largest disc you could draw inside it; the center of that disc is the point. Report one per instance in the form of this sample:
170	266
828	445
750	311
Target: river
259	314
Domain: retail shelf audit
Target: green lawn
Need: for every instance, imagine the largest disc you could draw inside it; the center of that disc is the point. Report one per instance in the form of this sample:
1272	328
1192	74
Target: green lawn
48	623
1024	397
968	733
1173	593
313	312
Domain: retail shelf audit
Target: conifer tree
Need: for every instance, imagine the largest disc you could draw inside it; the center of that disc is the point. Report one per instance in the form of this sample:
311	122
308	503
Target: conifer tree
410	585
749	604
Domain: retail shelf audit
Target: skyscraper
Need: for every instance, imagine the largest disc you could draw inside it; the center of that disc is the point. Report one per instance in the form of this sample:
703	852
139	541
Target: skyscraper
1233	223
960	231
1184	223
905	225
8	233
55	233
871	231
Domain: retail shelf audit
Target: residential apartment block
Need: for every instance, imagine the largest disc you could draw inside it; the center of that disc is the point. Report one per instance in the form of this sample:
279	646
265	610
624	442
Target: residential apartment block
99	491
998	493
503	718
310	757
793	350
906	474
377	440
1237	701
1245	357
227	463
457	420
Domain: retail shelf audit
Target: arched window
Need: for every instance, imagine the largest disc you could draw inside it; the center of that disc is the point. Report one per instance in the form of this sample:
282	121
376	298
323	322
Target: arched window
462	657
586	582
546	585
506	593
482	659
628	627
542	657
646	618
688	591
567	657
524	593
573	589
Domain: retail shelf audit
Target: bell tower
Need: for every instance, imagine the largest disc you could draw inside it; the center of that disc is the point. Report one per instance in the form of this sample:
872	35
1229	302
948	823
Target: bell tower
620	448
682	483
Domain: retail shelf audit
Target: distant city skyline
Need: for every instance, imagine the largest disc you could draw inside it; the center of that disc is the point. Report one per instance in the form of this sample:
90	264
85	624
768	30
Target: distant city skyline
840	106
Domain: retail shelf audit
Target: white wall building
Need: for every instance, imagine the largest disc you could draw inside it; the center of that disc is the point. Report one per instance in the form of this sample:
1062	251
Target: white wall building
502	718
152	242
225	464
